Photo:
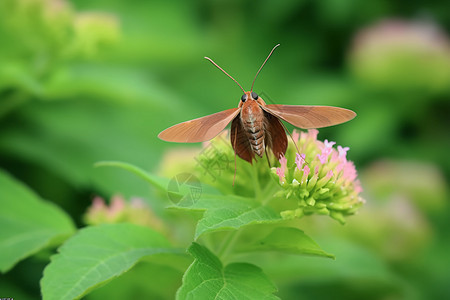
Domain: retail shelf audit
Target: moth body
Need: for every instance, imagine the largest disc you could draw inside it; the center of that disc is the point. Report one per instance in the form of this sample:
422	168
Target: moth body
252	120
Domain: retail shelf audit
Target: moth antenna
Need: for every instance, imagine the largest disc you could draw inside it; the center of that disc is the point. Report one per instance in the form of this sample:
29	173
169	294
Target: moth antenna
225	72
263	65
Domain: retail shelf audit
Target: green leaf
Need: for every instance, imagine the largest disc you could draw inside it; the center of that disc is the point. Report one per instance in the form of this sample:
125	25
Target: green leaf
28	223
96	255
229	212
289	240
222	212
355	265
156	181
136	284
207	278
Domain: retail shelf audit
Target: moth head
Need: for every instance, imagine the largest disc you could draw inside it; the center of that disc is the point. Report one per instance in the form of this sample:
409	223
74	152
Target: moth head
249	96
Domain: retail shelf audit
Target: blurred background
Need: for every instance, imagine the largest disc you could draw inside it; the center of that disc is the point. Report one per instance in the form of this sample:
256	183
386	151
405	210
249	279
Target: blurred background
84	81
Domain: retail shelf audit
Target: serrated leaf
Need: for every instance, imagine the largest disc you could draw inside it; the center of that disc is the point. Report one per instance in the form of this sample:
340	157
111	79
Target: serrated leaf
288	240
28	223
96	255
229	212
207	278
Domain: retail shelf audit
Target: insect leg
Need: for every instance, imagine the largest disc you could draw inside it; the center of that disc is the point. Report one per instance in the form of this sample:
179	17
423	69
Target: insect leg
295	144
267	156
234	149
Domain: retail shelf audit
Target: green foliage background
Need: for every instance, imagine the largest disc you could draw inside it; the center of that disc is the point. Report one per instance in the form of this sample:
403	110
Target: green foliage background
85	81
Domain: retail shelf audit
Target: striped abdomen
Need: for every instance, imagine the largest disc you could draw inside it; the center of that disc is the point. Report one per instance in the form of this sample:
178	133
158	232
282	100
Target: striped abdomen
252	120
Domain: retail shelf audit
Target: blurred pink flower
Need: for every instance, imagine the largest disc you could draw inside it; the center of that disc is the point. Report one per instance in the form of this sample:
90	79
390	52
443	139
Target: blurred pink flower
280	171
295	135
135	211
397	54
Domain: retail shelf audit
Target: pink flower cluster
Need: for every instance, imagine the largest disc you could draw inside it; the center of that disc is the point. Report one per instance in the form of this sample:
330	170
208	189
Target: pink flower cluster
320	173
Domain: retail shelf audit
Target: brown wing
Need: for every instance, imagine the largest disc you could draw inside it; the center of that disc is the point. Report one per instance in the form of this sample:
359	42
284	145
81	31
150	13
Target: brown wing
239	141
275	135
201	129
310	116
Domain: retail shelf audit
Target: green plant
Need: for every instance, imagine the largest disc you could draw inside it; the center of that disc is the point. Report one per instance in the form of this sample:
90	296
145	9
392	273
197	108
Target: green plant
257	215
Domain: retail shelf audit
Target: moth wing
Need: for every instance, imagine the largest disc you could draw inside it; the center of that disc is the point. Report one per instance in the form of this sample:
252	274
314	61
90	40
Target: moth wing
276	138
200	129
304	116
239	141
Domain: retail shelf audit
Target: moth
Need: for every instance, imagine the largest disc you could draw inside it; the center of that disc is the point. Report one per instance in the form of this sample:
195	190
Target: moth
255	125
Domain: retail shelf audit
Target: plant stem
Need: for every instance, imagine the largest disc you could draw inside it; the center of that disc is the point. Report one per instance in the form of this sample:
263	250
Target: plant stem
268	192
